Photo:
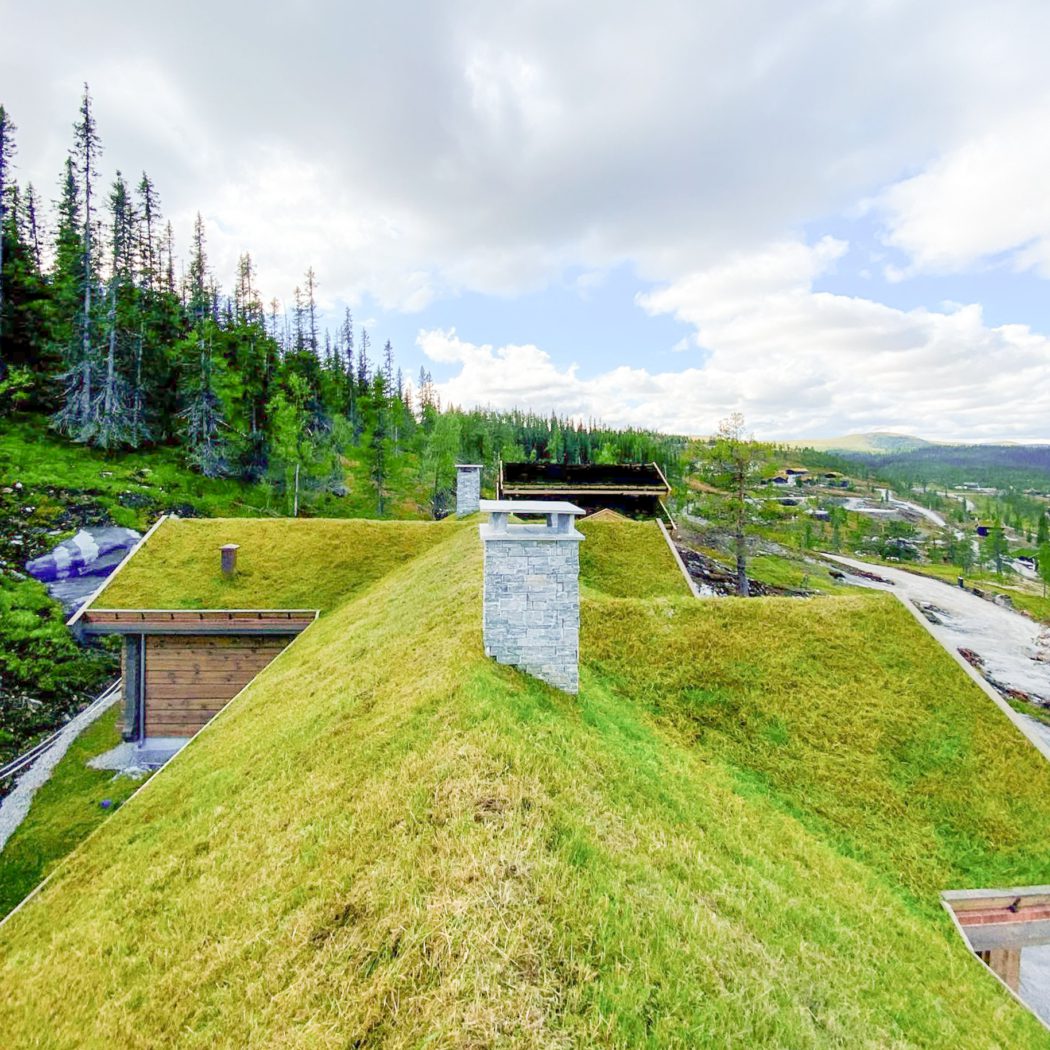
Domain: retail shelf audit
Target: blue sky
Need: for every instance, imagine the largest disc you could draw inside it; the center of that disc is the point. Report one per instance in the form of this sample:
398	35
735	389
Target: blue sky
829	216
596	325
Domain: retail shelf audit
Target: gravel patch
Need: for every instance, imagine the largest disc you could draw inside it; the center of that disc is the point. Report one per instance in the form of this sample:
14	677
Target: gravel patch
16	803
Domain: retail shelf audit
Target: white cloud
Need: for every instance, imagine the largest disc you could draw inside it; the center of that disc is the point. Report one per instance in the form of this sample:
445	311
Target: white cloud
415	151
986	198
795	361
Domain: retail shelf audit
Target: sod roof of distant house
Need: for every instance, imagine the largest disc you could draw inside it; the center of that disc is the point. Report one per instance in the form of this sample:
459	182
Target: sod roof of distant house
282	563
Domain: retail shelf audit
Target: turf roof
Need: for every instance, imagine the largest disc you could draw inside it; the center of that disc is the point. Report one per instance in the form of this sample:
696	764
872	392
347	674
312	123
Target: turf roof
282	563
310	563
388	840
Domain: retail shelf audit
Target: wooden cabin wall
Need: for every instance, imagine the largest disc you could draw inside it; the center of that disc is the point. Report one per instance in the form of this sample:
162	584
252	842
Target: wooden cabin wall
190	678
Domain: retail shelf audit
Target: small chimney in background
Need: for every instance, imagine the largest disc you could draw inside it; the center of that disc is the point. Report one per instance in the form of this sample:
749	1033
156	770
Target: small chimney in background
468	488
229	558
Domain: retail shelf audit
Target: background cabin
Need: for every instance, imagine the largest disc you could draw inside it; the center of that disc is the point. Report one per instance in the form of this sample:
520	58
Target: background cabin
634	489
180	667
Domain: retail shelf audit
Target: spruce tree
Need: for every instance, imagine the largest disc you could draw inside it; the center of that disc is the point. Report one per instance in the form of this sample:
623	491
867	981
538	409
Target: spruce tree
7	155
81	405
117	422
311	309
364	365
380	442
32	220
149	242
202	415
76	324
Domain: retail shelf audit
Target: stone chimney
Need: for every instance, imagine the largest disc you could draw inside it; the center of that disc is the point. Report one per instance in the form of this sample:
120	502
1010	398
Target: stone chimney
468	488
229	558
532	590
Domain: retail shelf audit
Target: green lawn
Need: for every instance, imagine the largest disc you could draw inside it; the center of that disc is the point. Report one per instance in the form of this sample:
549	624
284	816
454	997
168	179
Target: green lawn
64	812
733	837
628	559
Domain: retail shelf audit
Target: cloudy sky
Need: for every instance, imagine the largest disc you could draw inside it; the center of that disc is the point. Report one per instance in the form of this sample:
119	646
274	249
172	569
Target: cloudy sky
833	216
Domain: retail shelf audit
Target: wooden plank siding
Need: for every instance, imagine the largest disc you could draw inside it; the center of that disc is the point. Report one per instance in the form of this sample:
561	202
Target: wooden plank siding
195	660
190	678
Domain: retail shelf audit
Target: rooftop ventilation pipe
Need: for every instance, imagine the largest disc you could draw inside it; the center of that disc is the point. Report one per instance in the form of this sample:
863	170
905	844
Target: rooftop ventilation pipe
229	558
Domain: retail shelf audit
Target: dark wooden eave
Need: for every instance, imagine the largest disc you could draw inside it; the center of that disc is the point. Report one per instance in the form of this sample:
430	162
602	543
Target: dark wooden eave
197	621
1002	918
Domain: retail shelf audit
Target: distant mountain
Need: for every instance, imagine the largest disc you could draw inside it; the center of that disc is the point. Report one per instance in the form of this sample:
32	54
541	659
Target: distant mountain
904	461
874	442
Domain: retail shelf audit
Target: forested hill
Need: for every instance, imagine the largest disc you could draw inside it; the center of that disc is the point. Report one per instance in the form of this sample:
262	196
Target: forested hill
995	466
99	335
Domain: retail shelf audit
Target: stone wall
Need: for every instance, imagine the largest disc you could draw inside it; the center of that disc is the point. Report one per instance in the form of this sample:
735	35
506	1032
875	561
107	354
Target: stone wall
468	488
532	603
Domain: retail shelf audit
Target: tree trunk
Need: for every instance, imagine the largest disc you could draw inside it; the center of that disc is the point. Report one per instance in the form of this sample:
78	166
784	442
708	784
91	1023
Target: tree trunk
137	403
295	499
743	588
109	399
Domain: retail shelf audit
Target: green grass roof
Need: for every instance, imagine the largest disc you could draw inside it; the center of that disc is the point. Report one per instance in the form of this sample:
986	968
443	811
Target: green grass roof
628	559
315	563
733	837
283	563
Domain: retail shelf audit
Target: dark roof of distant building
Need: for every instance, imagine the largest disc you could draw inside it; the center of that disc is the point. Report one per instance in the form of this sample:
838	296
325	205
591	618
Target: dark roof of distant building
643	479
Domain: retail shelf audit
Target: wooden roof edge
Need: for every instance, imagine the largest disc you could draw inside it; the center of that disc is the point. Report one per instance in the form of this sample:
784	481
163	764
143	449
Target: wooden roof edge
75	618
209	621
605	490
1005	897
224	612
663	477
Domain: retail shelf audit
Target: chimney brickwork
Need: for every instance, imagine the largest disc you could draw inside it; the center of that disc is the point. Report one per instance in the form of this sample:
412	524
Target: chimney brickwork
532	592
468	488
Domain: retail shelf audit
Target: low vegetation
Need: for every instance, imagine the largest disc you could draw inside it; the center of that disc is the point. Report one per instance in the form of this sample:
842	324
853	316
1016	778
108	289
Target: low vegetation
390	840
64	812
39	660
628	559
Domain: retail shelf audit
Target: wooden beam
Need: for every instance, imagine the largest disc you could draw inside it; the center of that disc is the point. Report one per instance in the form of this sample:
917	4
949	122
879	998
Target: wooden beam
1006	964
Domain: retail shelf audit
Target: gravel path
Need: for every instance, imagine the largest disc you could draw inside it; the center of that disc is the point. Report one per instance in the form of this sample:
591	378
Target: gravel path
1007	642
930	515
16	804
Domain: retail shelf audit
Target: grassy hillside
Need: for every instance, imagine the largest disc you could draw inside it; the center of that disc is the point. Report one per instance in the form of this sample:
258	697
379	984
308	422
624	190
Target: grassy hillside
874	441
133	488
390	841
